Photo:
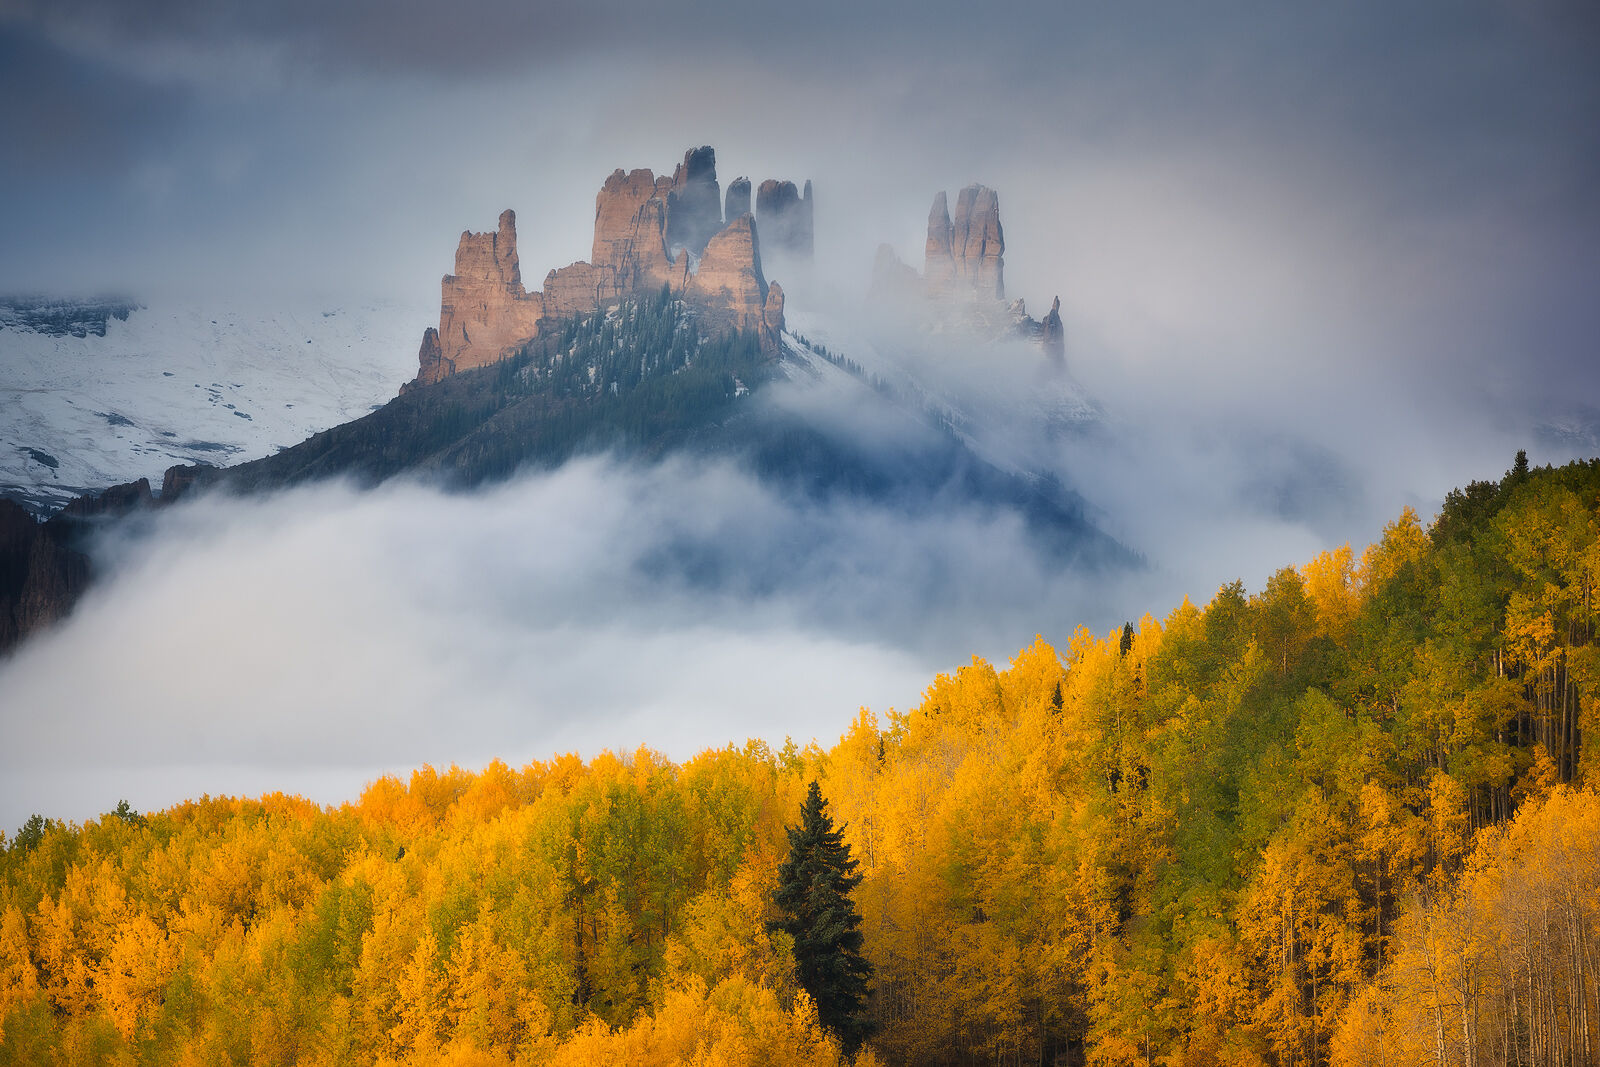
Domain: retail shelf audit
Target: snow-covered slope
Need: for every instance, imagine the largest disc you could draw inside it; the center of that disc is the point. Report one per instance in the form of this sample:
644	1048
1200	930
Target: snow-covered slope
1001	397
188	382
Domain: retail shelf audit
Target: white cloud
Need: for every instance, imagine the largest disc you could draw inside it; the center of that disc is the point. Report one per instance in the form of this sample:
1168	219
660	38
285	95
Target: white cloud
324	634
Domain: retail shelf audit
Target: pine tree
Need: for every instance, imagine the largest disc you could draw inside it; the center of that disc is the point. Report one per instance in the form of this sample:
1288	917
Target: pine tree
813	893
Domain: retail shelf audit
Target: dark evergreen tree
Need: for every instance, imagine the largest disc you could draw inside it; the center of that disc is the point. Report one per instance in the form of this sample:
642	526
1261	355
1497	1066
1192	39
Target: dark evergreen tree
127	814
813	893
1519	468
1127	638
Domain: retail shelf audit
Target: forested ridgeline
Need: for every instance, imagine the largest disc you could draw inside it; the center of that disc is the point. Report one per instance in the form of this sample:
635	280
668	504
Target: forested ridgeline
1350	819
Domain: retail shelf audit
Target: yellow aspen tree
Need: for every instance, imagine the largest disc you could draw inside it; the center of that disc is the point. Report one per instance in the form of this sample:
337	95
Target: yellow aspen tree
19	984
420	997
134	974
486	989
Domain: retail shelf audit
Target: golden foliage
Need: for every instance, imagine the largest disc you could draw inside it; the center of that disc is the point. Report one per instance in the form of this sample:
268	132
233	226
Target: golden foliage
1341	821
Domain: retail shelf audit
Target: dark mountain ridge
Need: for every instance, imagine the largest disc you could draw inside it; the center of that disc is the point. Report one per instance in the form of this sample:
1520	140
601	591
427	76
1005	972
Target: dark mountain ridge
638	381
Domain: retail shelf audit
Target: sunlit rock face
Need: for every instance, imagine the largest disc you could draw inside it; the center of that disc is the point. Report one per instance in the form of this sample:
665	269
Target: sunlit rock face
729	285
483	309
649	231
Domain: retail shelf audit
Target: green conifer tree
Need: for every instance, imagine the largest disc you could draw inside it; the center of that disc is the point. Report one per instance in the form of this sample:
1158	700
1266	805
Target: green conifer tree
813	893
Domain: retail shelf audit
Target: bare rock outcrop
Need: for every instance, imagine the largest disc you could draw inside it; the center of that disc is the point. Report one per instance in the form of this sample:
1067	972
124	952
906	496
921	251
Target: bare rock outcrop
1053	336
694	202
42	574
978	242
113	502
184	477
966	255
484	311
738	201
577	288
431	364
772	314
45	567
628	229
962	284
785	217
729	286
649	231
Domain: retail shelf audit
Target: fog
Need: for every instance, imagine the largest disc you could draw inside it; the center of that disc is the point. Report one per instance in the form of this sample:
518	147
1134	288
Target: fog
314	638
1315	266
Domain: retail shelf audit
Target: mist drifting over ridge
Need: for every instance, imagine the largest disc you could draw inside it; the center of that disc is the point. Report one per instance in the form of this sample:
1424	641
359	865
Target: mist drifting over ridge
678	605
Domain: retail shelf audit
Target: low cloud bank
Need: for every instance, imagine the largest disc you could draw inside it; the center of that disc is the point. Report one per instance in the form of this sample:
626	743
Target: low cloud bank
313	639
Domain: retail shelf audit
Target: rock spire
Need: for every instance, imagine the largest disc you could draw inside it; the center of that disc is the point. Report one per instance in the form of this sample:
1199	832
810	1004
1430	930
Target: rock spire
649	231
962	284
785	216
738	202
966	255
694	202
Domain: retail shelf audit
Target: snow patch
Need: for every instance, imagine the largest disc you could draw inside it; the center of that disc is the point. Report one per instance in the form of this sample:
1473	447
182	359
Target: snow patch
190	383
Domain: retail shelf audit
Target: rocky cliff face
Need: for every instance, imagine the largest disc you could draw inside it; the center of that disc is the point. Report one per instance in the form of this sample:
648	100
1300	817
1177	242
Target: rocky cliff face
649	231
625	233
113	502
483	309
729	285
977	243
785	217
1053	336
43	568
40	576
966	255
738	202
962	284
431	364
772	313
694	203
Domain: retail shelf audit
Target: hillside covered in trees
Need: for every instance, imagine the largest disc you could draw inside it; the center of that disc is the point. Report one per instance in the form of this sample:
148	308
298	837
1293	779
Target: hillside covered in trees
639	381
1350	819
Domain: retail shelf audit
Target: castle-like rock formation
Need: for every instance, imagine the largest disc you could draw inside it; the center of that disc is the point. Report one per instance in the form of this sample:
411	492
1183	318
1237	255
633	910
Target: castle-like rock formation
649	231
482	306
962	283
966	254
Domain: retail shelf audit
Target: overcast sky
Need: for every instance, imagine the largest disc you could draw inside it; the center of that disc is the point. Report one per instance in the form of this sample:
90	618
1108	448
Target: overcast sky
1397	184
1252	197
1366	235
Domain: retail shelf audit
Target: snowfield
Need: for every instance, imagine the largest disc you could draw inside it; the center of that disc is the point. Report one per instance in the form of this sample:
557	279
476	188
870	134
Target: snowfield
190	383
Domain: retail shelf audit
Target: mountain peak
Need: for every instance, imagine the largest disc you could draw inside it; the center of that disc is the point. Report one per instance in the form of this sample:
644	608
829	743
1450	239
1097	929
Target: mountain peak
650	231
962	283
